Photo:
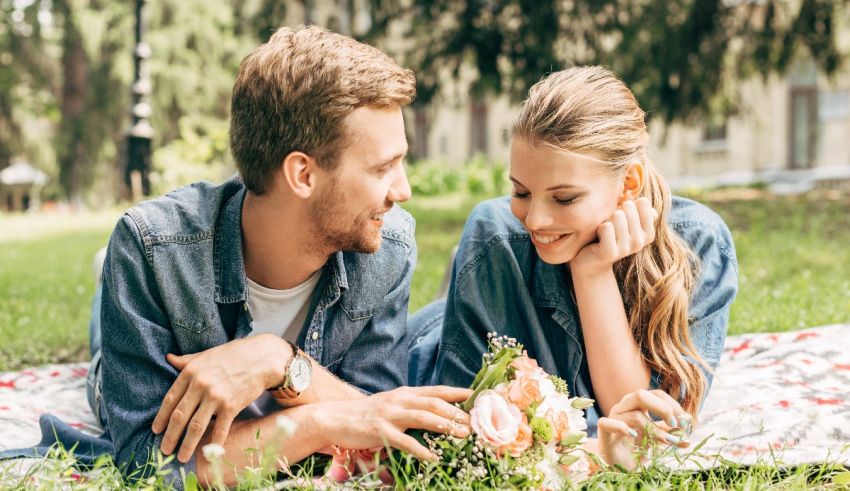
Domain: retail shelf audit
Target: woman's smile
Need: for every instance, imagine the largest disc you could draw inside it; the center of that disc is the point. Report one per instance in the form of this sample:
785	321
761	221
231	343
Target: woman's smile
548	241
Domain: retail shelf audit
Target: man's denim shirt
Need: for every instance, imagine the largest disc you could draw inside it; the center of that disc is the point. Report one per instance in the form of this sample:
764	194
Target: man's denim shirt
174	282
499	284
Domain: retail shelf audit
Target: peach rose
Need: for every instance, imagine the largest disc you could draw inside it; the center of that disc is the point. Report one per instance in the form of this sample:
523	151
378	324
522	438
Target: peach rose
523	391
495	420
523	440
560	423
524	364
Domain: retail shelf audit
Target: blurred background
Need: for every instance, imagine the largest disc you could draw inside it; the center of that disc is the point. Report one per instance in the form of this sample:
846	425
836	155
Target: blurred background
105	103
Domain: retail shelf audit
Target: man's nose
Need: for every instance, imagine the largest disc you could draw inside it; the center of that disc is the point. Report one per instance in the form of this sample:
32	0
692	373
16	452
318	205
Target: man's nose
400	187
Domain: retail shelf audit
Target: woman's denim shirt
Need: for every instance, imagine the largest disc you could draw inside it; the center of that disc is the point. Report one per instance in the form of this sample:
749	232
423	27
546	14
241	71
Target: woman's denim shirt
174	282
499	284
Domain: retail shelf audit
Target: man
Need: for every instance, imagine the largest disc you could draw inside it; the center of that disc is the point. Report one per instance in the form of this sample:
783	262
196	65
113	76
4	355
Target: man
211	293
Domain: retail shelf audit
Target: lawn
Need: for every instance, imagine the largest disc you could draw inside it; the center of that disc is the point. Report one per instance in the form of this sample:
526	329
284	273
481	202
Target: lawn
793	254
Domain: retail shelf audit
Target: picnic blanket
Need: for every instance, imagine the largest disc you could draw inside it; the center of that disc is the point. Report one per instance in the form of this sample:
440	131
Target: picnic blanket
775	396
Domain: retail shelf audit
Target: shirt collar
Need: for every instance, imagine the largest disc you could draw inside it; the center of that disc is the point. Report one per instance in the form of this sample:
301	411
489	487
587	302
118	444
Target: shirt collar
230	278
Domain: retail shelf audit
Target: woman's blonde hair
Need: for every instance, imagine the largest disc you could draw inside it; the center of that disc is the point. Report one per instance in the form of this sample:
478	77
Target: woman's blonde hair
590	111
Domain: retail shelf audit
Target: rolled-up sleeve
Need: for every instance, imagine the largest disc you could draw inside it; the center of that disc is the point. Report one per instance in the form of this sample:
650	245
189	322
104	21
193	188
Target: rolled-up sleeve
136	337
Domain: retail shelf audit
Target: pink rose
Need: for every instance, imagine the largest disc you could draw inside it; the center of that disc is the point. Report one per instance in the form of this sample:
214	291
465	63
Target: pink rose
494	420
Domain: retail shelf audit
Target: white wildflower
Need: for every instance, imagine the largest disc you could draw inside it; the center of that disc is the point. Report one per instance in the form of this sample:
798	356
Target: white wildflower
213	451
286	425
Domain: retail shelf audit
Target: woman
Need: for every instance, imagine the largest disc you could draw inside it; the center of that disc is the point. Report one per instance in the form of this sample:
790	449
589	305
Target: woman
607	280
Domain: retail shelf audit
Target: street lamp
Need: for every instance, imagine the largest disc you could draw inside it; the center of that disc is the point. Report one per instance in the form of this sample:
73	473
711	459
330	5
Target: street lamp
136	175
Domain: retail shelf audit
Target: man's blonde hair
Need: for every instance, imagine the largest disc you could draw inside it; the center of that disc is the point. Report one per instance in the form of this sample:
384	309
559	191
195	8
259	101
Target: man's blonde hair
294	92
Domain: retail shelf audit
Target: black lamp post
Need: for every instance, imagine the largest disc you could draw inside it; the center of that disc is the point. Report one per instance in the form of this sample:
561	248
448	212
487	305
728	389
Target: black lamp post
141	132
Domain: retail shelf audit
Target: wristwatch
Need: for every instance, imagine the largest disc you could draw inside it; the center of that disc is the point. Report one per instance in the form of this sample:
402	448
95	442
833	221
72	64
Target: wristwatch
297	376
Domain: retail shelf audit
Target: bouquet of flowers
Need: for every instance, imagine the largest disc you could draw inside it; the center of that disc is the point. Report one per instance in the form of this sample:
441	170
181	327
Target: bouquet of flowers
527	432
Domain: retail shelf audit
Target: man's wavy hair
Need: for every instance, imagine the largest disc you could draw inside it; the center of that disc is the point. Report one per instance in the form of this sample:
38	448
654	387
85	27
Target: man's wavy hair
294	92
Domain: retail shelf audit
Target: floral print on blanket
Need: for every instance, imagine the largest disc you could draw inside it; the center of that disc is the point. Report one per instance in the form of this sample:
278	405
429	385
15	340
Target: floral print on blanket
783	396
56	389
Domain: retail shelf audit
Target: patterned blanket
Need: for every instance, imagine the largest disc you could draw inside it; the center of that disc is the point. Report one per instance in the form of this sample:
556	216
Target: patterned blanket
783	396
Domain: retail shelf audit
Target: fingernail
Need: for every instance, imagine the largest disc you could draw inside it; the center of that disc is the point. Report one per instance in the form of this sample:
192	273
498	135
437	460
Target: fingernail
672	439
633	433
673	422
685	421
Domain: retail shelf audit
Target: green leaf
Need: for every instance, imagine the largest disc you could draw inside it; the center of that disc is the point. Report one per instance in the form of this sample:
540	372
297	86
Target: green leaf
842	478
572	438
582	403
568	459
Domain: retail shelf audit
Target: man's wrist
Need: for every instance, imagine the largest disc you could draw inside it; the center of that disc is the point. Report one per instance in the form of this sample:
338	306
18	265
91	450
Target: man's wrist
277	357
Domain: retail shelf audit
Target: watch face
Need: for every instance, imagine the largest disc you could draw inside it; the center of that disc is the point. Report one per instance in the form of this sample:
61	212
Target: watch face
300	373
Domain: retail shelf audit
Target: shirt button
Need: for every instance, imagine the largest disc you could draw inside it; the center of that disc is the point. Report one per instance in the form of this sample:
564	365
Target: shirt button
315	335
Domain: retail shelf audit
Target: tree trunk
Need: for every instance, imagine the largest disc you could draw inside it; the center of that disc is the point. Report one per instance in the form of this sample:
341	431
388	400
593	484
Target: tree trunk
73	154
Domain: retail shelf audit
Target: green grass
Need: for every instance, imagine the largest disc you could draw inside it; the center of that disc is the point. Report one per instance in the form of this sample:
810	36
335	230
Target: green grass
794	259
46	287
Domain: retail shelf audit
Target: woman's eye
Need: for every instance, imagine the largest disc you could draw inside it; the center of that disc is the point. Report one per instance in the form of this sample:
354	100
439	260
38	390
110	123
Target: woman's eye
519	195
566	202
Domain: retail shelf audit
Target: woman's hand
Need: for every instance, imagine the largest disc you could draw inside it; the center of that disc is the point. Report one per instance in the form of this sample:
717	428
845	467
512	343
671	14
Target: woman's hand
629	229
629	420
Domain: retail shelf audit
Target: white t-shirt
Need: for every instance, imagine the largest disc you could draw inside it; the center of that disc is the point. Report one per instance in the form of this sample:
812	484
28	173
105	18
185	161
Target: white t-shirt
282	313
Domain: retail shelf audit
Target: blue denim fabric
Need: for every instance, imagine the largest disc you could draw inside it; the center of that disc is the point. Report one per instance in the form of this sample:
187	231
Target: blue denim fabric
499	284
174	282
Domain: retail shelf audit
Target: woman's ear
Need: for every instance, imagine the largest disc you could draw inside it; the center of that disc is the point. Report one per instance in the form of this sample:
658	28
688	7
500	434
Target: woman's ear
299	173
633	181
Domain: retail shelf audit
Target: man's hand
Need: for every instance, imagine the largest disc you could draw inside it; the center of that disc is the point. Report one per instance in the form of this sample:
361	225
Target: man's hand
627	231
630	418
218	382
382	419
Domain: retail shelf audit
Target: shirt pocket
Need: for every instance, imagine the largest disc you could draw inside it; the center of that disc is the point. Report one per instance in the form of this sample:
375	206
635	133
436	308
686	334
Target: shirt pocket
359	313
196	324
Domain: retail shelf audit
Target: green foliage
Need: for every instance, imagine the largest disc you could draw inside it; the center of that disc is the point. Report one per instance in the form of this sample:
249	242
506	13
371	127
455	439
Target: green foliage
201	152
682	58
67	66
476	178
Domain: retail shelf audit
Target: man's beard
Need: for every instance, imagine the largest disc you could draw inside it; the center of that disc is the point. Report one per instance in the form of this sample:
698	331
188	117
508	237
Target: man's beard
333	232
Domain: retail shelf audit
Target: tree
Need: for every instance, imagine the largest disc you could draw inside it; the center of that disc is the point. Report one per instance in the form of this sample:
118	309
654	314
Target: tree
679	56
